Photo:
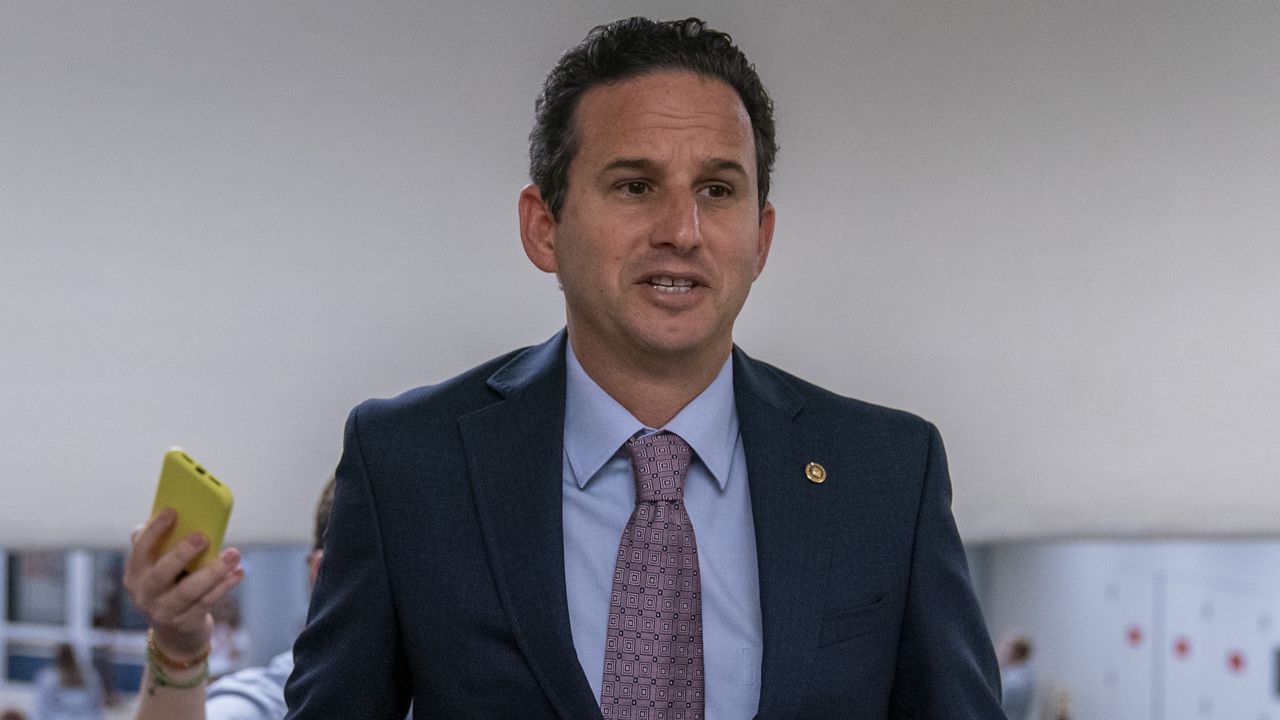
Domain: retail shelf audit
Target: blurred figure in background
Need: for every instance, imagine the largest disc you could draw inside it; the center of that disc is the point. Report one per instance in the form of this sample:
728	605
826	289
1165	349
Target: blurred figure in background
179	644
1016	678
67	691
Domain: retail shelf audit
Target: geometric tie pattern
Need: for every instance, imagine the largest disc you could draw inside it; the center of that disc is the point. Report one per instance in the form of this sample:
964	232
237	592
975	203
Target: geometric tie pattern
653	647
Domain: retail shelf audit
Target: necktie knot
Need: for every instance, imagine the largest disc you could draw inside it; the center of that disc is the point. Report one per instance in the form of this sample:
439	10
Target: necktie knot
660	464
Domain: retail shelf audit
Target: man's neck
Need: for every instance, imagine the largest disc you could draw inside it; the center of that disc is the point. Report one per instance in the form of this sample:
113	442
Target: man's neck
653	389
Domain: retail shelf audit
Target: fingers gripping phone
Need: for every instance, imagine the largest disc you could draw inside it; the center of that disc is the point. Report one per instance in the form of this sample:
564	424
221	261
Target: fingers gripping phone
202	501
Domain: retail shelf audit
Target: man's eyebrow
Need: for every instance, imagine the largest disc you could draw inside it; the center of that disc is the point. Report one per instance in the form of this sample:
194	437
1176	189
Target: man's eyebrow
645	164
724	164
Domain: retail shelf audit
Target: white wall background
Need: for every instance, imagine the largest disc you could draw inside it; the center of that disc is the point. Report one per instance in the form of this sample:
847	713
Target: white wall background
1052	228
1080	601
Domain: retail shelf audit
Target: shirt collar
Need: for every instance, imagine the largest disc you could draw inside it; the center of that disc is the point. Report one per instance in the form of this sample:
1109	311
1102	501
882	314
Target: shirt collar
596	426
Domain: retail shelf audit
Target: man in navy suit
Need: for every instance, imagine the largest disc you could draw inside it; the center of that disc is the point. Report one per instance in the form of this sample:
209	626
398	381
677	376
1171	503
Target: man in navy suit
470	560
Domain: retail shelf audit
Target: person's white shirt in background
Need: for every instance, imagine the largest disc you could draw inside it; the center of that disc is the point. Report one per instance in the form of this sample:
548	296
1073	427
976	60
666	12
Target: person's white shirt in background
1018	683
55	702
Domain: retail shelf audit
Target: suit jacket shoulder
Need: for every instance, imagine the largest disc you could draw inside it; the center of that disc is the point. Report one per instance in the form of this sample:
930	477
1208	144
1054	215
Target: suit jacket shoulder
442	402
427	416
820	399
832	421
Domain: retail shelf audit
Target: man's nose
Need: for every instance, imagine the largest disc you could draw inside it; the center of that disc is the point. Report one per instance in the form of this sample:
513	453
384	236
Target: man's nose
679	223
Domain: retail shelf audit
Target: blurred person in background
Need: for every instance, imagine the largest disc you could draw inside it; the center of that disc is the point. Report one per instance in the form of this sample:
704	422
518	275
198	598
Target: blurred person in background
66	690
1016	677
179	641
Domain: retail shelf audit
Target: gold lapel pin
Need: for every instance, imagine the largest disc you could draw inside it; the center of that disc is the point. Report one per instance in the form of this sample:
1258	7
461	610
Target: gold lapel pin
816	473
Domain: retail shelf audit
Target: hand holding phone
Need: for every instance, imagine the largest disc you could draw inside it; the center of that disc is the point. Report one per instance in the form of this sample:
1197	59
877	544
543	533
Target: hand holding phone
173	574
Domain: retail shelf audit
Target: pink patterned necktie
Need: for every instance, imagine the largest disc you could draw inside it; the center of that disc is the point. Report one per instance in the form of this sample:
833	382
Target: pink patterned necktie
653	645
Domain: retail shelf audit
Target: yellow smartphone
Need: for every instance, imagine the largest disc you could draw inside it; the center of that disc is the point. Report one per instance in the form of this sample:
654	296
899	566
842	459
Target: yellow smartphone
202	501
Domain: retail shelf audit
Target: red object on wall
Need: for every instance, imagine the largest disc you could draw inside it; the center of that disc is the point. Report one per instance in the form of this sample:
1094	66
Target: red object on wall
1235	661
1182	648
1134	636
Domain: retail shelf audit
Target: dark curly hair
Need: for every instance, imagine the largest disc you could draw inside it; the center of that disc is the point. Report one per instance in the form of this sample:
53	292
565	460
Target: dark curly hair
625	49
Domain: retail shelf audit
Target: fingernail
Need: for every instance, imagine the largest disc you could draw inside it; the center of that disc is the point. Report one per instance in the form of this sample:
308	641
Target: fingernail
167	515
198	540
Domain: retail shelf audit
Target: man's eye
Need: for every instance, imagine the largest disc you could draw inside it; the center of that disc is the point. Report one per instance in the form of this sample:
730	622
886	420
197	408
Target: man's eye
718	191
636	187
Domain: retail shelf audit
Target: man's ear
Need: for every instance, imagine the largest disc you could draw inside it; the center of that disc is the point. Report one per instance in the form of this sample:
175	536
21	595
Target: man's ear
537	229
313	564
765	239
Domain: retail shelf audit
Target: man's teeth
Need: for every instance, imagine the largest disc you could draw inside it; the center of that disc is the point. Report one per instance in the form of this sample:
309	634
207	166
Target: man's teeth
671	285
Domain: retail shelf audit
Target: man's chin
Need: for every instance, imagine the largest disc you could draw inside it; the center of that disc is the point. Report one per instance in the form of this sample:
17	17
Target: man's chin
683	344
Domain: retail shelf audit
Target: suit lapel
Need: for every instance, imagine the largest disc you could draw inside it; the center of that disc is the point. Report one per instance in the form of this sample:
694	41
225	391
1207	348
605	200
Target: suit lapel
790	528
515	457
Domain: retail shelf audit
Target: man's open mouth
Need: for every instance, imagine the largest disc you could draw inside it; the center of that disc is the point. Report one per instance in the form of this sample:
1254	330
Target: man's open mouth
667	284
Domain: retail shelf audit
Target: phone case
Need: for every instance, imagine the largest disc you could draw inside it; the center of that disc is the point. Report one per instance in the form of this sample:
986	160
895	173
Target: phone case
202	501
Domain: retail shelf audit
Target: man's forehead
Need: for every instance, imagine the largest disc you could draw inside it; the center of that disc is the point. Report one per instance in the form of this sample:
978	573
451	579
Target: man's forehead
664	91
624	119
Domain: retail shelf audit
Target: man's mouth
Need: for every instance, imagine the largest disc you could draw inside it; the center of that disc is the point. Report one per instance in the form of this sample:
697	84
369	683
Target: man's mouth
668	284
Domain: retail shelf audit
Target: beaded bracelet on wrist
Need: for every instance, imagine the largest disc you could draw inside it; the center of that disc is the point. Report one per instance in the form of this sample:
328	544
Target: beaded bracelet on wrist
154	651
161	679
156	661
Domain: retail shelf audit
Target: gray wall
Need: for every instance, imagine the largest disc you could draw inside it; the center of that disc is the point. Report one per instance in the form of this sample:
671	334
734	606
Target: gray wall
1051	228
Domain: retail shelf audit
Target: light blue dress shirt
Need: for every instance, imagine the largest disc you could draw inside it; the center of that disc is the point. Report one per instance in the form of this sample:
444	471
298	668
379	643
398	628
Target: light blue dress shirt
598	496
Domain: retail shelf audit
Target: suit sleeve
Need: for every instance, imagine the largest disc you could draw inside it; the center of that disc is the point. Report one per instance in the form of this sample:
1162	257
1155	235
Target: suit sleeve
946	666
348	661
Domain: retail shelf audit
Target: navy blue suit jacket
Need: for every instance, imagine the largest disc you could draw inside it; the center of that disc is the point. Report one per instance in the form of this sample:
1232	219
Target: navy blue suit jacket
443	576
